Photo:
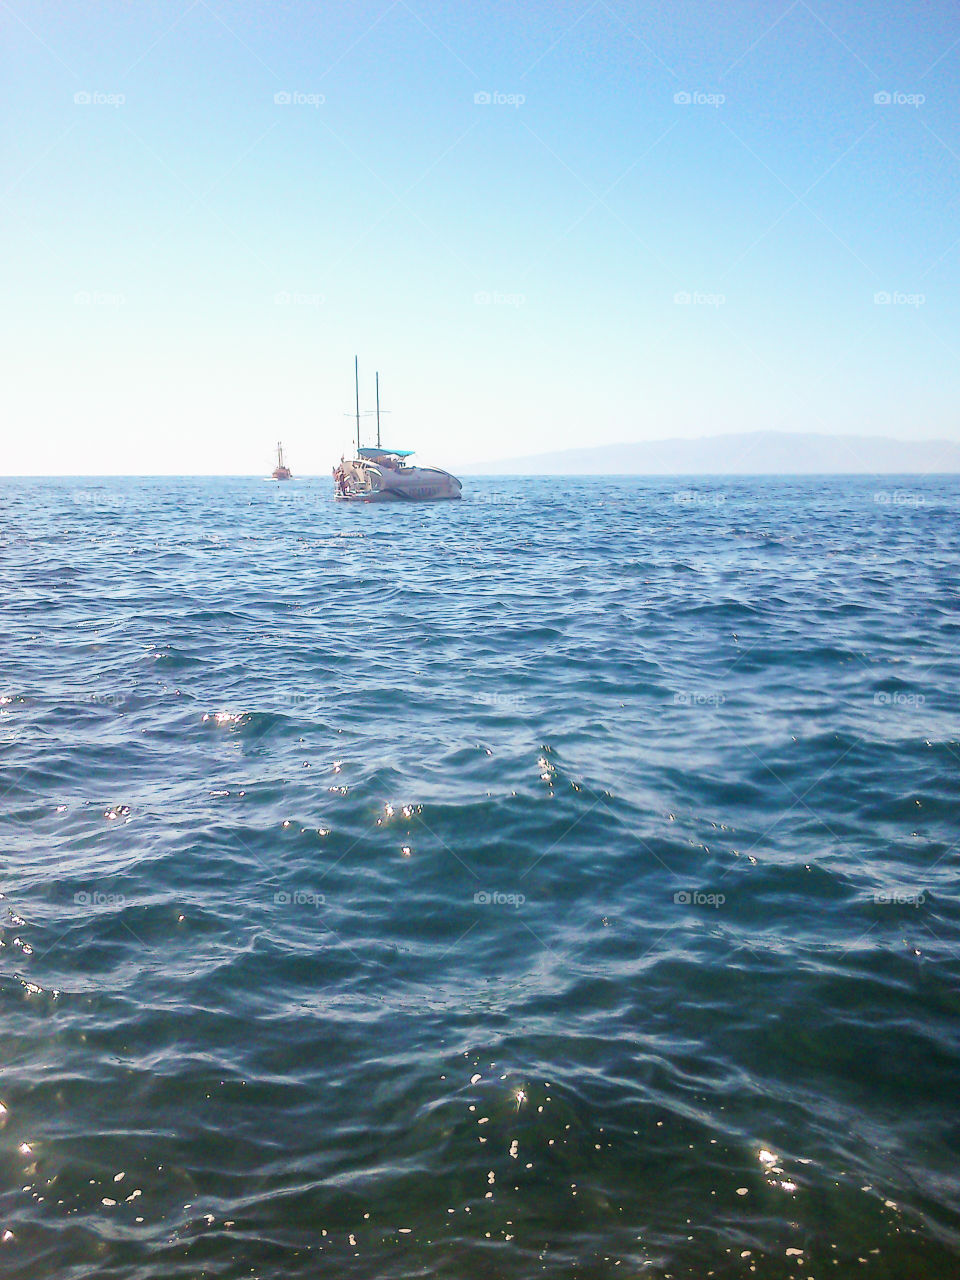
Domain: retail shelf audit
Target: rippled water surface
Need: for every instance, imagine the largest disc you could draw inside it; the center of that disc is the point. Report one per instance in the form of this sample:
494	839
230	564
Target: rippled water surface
562	882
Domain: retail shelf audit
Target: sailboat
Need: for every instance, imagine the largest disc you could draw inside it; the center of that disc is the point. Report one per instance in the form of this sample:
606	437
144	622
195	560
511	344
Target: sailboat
281	471
384	475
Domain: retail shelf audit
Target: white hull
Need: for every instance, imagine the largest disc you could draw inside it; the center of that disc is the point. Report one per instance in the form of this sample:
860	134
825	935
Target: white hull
361	480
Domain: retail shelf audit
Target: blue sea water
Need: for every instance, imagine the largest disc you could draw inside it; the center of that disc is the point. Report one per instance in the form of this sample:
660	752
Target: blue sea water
559	883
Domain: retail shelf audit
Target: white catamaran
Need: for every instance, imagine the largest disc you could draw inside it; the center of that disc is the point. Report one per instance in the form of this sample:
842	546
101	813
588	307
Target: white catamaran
384	475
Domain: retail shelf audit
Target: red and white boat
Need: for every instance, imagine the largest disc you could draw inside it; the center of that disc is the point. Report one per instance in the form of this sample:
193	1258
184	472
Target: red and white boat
384	475
281	471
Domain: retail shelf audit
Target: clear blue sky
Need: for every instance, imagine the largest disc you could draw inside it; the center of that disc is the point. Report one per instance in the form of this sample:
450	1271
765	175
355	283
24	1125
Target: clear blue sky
191	265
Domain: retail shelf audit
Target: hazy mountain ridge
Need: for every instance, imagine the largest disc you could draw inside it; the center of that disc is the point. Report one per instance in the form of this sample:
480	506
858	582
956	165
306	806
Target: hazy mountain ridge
750	453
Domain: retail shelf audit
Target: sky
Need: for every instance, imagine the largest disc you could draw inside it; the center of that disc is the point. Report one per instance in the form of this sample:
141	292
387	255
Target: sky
547	225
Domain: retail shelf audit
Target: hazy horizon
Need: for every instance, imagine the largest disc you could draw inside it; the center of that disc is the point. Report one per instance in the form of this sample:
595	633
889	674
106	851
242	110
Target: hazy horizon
678	457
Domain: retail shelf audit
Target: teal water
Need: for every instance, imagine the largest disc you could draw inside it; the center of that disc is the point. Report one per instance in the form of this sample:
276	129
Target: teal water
558	883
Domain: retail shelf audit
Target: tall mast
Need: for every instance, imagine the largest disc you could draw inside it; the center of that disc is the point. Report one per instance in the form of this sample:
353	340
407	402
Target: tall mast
356	379
378	410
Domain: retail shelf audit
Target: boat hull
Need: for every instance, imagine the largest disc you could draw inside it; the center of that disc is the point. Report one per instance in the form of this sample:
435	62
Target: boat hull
362	481
395	497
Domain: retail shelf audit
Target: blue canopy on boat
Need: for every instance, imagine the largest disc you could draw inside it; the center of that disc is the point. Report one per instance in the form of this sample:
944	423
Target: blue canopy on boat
380	453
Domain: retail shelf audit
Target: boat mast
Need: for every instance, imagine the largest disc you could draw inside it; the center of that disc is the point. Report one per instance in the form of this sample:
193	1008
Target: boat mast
356	380
378	410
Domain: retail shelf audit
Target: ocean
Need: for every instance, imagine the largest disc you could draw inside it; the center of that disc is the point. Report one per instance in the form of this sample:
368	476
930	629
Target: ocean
562	882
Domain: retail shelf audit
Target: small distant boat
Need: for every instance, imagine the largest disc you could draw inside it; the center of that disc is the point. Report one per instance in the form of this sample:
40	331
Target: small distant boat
384	475
281	471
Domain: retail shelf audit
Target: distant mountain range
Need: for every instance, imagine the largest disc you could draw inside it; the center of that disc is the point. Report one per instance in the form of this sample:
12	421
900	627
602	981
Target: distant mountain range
751	453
